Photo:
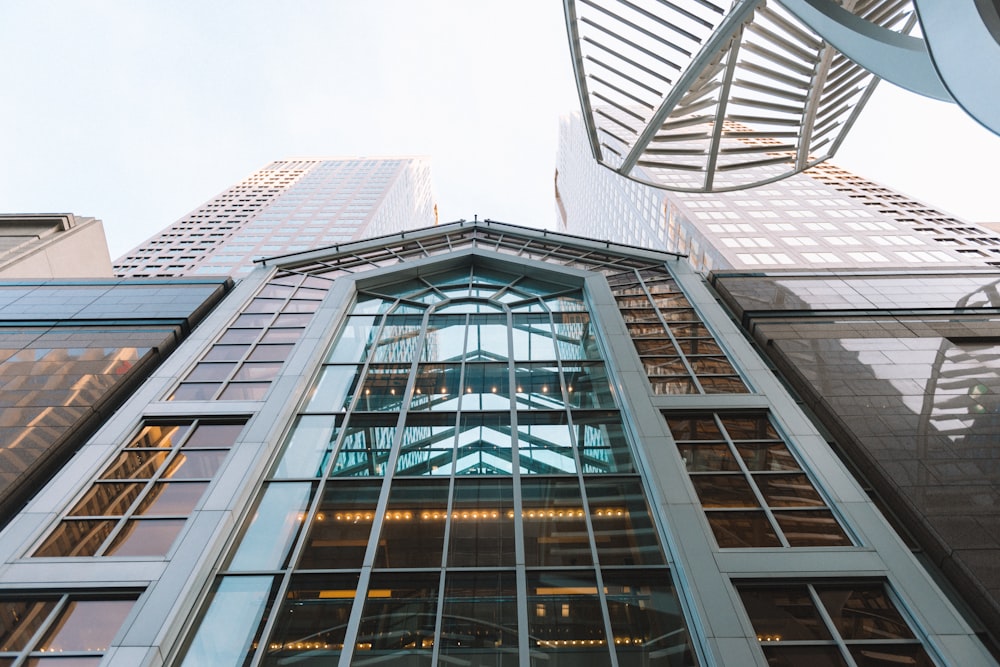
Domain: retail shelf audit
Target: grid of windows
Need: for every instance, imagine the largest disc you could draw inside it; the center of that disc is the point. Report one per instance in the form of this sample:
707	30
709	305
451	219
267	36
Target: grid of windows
753	490
139	503
459	470
837	624
70	630
250	352
678	352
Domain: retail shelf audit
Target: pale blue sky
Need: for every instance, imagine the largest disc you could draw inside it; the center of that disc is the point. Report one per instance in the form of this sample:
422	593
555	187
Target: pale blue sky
137	111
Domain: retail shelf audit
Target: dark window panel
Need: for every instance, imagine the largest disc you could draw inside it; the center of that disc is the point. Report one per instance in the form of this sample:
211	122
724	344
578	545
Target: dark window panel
863	611
111	499
812	528
783	613
708	457
413	531
136	464
734	530
788	490
76	538
724	491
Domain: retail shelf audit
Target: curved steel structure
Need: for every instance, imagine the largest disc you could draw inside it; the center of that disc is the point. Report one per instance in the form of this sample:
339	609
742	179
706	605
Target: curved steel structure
692	95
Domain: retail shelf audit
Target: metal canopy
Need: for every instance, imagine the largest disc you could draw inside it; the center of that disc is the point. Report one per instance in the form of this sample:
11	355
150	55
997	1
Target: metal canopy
698	96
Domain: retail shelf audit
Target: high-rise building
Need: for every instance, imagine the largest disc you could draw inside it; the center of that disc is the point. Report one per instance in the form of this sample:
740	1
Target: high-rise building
825	217
55	245
469	444
286	207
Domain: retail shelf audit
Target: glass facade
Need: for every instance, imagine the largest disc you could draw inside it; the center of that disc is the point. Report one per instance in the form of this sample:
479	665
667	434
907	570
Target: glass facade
458	487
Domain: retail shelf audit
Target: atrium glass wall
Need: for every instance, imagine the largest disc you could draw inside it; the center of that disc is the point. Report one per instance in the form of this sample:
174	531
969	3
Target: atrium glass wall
458	487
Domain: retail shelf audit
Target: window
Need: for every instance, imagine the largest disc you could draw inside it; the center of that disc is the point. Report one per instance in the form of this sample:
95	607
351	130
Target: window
800	624
752	488
139	504
77	627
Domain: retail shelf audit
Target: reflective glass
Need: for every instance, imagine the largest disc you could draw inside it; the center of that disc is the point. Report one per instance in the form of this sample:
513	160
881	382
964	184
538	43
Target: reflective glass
436	387
565	622
427	446
708	457
383	387
445	338
413	531
86	625
308	448
226	633
484	445
209	435
136	464
365	447
533	339
863	611
812	528
487	339
334	389
172	498
244	391
275	524
397	622
555	528
647	619
767	456
486	387
733	530
538	387
788	490
623	530
601	440
783	613
152	537
355	340
588	386
479	620
724	491
193	464
545	444
22	619
482	524
338	535
399	339
76	538
107	499
312	620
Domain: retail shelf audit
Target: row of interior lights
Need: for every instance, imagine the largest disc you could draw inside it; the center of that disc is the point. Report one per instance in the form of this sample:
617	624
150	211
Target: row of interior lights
468	390
407	515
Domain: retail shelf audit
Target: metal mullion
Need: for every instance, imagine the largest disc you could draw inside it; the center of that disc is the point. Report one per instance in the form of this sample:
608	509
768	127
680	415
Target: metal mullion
449	513
47	622
670	334
753	482
364	576
831	626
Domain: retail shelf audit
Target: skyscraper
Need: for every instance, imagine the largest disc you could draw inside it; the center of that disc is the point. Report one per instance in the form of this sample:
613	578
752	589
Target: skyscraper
825	217
289	206
474	443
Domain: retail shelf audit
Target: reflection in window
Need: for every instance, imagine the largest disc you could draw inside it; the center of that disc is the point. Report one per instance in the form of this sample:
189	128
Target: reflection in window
859	618
78	627
139	504
752	488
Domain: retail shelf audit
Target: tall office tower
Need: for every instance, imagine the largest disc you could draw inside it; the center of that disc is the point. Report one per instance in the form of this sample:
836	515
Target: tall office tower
289	206
473	444
825	217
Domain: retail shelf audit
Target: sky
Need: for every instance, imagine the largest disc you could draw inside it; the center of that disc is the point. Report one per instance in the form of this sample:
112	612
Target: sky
137	111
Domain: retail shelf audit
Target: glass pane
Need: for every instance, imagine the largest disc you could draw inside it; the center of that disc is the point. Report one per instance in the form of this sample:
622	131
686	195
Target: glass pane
274	527
61	661
398	619
743	529
413	532
783	613
484	445
788	490
750	428
486	387
533	338
794	656
436	387
195	464
21	620
257	371
365	447
270	353
545	444
245	391
724	491
145	538
215	372
565	623
445	338
214	435
334	389
226	633
135	465
767	456
111	499
383	388
538	387
195	391
623	531
890	655
694	428
399	339
308	448
86	625
312	620
427	446
575	336
555	528
708	457
281	336
479	620
76	538
163	436
487	339
339	533
863	612
602	443
812	528
172	498
647	620
482	525
588	386
355	341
